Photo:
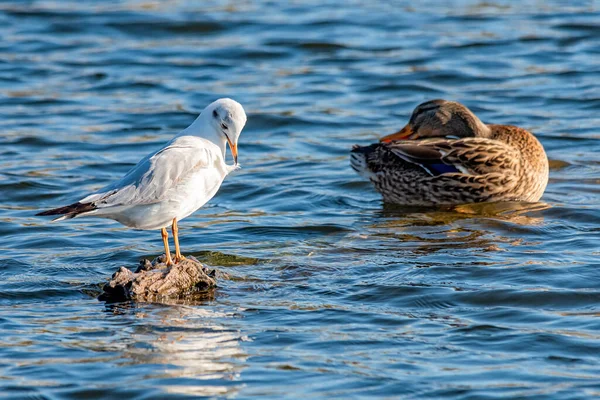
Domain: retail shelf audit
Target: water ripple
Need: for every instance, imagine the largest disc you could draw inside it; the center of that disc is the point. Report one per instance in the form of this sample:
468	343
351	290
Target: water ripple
330	293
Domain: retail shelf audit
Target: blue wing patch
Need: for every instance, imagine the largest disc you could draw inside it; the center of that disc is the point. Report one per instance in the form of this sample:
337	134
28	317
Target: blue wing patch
438	169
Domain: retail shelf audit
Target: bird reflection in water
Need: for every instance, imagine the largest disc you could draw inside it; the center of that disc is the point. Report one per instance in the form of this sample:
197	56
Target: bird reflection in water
478	226
189	342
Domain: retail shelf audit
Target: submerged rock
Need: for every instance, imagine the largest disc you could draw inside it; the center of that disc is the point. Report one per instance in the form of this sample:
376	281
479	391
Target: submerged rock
153	281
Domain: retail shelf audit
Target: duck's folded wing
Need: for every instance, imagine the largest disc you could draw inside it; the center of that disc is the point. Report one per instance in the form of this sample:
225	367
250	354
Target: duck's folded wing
154	176
471	156
427	157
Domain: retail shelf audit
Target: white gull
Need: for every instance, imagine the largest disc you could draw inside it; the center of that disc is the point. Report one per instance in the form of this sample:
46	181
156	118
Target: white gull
173	182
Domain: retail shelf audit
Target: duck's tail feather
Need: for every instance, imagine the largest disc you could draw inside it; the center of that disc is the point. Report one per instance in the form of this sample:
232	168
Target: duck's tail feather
359	159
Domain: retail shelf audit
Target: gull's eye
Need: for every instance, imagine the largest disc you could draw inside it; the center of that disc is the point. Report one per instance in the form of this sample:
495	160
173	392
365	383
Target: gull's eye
224	127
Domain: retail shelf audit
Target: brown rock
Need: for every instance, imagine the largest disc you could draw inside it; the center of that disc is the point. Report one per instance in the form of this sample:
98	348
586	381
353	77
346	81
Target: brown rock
154	281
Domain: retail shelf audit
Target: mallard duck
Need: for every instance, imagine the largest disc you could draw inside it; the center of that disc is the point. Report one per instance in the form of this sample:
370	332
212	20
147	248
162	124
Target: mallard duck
445	155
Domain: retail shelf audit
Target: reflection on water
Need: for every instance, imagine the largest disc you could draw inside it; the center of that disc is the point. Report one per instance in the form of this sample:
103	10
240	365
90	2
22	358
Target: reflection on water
167	345
472	226
189	346
526	214
330	293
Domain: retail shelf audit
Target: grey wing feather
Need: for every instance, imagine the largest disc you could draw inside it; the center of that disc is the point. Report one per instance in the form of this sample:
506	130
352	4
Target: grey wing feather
150	180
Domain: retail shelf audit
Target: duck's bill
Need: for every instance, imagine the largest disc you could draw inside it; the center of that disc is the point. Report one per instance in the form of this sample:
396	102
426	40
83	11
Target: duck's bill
234	151
402	134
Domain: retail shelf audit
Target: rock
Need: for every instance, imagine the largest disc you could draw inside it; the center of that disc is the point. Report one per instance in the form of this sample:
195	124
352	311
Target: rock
154	281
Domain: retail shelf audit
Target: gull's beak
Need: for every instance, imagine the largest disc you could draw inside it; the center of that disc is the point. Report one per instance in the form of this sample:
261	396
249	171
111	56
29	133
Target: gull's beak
233	147
402	134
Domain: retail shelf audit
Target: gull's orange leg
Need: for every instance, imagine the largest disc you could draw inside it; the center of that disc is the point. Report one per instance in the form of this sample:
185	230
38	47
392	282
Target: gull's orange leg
178	256
165	236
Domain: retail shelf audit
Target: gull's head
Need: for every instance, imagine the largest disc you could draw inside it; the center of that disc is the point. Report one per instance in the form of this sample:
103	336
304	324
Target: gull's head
228	118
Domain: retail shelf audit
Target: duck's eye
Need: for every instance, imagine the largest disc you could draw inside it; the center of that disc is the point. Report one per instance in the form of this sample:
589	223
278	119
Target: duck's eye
224	127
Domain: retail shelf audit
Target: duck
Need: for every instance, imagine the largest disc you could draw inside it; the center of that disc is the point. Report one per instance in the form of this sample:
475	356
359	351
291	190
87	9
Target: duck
445	155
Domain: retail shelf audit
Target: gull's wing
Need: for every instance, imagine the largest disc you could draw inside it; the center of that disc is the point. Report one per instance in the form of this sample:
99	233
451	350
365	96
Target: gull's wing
154	176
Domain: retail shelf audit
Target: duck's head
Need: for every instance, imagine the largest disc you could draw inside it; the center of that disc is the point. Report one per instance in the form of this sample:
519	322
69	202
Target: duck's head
440	119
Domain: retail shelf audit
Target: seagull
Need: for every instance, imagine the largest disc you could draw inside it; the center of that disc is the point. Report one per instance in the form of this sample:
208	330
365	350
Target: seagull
168	185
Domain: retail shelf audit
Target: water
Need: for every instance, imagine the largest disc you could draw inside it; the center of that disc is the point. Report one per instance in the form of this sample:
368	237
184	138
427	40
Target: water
332	294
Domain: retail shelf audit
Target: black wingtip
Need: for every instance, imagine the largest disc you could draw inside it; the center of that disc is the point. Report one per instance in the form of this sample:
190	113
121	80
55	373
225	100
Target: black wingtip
75	208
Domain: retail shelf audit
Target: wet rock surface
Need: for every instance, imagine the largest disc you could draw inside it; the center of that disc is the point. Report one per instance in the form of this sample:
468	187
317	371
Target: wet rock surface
155	281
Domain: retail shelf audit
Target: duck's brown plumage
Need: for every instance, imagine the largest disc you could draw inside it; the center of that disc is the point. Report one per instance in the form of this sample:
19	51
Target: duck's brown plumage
490	163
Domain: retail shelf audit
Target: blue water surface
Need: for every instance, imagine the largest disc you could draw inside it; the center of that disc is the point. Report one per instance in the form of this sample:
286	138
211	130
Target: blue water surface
331	293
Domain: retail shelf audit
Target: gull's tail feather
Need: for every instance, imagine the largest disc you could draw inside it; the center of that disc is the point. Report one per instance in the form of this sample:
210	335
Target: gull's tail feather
68	212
